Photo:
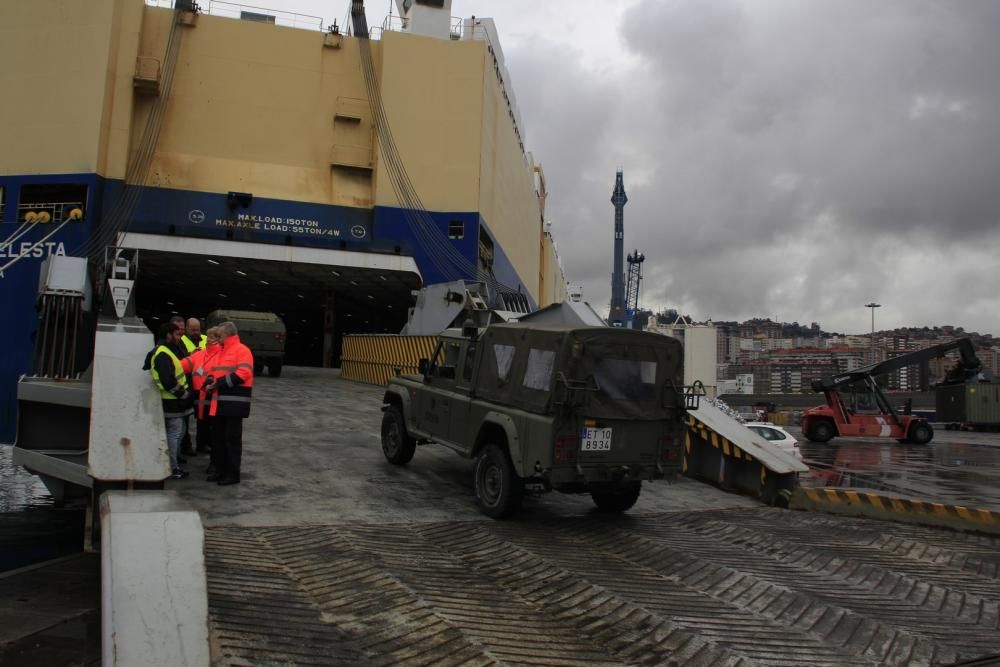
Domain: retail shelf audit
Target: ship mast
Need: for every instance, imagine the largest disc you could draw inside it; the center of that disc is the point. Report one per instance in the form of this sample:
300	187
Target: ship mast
618	316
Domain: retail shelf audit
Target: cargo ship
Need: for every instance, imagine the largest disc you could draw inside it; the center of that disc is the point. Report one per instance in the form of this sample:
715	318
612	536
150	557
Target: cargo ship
262	160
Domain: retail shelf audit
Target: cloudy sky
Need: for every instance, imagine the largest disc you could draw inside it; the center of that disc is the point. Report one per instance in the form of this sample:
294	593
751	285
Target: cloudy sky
792	159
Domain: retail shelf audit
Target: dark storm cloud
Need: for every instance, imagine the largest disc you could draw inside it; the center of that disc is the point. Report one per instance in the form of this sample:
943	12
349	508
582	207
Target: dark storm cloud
789	158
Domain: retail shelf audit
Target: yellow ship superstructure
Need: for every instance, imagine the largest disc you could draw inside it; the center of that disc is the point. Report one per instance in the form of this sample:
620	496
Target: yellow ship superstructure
244	159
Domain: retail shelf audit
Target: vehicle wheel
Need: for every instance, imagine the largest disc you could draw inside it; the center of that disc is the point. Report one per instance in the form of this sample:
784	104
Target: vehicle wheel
258	367
822	431
498	488
397	446
921	433
616	497
274	368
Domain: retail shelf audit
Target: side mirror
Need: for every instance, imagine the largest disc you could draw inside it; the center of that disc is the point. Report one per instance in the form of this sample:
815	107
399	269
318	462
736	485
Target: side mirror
470	330
422	366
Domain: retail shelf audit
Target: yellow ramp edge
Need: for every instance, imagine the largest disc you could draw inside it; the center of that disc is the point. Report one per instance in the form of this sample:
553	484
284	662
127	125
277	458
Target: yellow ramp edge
375	358
859	503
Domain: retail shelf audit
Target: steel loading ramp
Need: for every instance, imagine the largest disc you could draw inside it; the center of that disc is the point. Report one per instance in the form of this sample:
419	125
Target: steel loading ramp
721	450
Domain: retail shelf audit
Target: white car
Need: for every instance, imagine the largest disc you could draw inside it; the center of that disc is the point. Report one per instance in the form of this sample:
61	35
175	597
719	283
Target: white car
776	435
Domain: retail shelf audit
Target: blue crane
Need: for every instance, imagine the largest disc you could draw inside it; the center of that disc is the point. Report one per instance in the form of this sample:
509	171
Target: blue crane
635	261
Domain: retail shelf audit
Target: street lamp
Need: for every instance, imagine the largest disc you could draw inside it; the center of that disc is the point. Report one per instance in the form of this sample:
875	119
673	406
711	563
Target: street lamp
873	306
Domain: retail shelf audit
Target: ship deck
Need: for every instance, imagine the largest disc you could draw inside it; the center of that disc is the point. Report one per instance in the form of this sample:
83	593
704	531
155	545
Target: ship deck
327	554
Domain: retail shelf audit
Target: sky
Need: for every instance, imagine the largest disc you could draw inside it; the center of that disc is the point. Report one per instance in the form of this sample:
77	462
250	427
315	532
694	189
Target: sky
791	159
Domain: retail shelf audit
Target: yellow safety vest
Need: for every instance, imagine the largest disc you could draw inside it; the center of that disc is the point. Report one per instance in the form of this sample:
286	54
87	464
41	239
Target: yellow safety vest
178	373
191	347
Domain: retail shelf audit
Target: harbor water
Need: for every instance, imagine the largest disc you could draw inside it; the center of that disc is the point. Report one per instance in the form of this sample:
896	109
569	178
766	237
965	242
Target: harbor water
33	528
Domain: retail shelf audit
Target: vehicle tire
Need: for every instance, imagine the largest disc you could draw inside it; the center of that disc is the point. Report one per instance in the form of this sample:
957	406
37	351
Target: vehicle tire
822	431
258	368
616	497
498	488
921	433
397	446
274	368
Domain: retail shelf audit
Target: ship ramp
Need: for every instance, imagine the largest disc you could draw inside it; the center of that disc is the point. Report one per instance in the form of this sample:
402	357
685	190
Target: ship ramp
722	450
327	554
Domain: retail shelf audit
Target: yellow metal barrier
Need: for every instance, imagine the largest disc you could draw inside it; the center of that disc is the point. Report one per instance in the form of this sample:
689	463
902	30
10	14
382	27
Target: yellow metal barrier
375	358
778	418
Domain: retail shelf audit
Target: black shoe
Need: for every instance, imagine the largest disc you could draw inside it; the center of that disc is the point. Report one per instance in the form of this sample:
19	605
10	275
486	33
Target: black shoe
181	459
226	481
204	450
179	474
214	477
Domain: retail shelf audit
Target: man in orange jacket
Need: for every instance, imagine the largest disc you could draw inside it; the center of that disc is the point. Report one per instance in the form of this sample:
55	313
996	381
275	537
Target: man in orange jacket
229	386
196	365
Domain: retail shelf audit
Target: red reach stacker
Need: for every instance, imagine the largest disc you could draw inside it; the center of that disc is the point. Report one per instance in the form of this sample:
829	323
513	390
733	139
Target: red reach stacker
873	416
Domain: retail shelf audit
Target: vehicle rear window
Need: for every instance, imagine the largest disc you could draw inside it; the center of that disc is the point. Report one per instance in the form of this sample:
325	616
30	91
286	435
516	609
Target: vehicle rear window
538	373
624	379
766	433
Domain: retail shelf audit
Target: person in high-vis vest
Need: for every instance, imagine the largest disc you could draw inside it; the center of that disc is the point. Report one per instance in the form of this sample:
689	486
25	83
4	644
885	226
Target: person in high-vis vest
196	365
229	386
175	394
192	338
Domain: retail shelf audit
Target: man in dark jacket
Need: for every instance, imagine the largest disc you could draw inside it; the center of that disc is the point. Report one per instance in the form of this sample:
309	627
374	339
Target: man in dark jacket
169	378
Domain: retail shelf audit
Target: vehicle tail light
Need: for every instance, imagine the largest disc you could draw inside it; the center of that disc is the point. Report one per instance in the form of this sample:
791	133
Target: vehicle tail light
669	451
279	337
566	446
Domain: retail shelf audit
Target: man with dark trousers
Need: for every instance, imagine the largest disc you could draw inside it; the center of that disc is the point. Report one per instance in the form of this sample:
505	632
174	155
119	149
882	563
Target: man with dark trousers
169	378
181	349
229	386
194	341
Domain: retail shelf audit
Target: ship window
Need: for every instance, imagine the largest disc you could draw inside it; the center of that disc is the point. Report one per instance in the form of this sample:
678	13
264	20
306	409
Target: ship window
52	202
456	229
431	3
255	16
485	250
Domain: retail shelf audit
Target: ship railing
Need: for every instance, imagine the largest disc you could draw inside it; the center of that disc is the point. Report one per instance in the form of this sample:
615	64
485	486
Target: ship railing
237	10
55	211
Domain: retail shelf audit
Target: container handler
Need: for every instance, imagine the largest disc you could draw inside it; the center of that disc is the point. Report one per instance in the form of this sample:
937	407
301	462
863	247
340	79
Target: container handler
822	423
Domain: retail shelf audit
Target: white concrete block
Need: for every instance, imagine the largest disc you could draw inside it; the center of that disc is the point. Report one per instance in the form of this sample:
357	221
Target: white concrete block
127	435
154	595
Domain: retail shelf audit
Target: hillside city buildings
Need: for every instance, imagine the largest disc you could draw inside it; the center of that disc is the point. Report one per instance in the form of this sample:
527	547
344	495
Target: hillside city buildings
765	357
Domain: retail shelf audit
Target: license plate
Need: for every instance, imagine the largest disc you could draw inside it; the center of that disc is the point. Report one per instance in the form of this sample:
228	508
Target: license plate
595	440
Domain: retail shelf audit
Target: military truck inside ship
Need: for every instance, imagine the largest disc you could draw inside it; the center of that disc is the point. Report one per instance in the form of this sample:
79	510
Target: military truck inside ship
263	333
573	409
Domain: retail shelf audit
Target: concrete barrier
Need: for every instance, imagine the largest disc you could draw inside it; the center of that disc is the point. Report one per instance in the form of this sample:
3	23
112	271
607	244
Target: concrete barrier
857	503
154	597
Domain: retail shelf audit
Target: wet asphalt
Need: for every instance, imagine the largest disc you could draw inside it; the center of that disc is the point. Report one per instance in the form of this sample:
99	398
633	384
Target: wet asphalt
312	455
955	468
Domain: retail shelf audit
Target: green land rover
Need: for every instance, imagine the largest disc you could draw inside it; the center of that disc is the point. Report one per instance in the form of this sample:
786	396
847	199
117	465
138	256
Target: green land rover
574	409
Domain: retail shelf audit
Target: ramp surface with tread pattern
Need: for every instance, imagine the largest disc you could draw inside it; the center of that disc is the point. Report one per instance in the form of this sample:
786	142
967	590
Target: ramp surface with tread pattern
730	587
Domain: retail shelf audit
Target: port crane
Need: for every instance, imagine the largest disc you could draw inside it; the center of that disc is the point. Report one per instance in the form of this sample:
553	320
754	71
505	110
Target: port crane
635	261
822	423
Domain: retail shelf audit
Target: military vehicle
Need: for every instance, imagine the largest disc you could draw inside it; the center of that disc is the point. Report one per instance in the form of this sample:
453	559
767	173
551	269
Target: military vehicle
567	408
263	333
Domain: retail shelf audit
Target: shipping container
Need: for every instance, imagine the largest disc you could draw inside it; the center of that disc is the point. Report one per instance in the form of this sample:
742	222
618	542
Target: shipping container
969	403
